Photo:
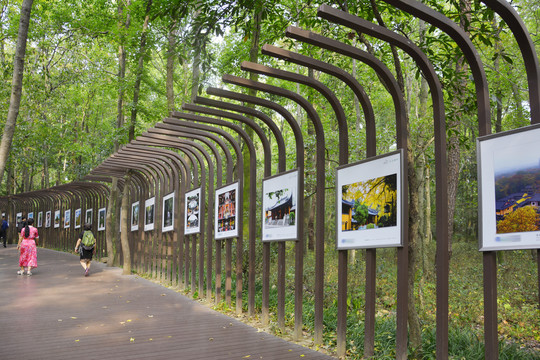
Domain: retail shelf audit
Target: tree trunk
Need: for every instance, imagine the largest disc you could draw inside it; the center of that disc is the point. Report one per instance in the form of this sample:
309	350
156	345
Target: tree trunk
140	68
110	228
196	71
310	173
16	85
46	171
454	124
25	179
171	51
121	68
126	252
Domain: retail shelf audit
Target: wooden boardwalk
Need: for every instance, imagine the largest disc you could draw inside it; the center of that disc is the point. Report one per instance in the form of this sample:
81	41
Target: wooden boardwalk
59	314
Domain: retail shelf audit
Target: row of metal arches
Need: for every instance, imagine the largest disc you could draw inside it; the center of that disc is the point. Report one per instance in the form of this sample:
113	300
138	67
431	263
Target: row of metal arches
186	151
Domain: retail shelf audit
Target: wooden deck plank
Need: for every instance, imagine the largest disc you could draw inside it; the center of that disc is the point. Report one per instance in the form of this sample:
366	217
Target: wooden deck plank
59	314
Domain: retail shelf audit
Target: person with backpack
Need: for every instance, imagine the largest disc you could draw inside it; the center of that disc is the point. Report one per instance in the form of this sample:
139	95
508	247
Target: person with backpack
86	247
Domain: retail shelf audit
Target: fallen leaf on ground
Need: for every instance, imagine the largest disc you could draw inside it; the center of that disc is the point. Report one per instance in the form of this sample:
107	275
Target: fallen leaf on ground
131	339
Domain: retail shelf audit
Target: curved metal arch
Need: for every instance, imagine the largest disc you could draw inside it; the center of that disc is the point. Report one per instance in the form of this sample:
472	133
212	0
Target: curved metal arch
318	86
339	73
267	152
202	136
385	75
465	44
260	115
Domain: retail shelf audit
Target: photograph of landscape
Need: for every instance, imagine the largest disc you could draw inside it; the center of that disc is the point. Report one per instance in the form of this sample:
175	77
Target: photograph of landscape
517	191
369	204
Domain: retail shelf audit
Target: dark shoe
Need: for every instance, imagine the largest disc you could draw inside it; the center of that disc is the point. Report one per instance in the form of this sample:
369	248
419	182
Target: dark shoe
86	272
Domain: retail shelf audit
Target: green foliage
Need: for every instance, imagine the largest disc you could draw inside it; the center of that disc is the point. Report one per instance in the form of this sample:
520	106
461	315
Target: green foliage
361	213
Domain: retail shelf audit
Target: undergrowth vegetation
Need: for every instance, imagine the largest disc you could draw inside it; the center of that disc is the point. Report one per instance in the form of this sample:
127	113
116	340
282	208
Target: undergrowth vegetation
518	312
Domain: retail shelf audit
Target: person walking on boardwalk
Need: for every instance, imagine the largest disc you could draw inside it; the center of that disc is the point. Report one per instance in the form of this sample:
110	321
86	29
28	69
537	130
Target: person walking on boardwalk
3	230
86	247
28	248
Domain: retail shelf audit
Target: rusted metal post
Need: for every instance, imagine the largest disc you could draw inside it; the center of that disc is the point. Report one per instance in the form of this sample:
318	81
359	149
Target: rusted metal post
399	105
360	94
232	141
320	177
208	139
253	177
299	245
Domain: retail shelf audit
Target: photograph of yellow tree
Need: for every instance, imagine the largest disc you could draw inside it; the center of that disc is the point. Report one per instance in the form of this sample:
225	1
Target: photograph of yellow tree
369	204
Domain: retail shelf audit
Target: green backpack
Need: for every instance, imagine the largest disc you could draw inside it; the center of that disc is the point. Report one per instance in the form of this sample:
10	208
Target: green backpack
88	240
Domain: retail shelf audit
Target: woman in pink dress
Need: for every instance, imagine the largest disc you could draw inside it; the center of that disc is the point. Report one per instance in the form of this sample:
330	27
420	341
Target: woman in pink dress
27	245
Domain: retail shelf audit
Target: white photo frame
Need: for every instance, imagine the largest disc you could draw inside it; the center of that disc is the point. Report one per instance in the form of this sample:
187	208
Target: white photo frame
192	212
18	218
57	218
369	203
167	218
279	207
77	219
135	216
40	219
30	215
67	219
226	212
500	157
89	217
102	215
149	213
48	219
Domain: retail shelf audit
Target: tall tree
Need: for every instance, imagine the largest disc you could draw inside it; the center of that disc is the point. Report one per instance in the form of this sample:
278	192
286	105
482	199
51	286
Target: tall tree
16	91
139	72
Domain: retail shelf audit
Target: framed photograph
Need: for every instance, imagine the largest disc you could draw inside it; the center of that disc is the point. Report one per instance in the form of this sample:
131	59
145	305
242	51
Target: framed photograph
509	194
167	224
57	218
226	210
89	218
280	199
191	217
18	218
135	216
30	215
67	219
369	203
78	219
102	213
40	219
149	213
48	219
